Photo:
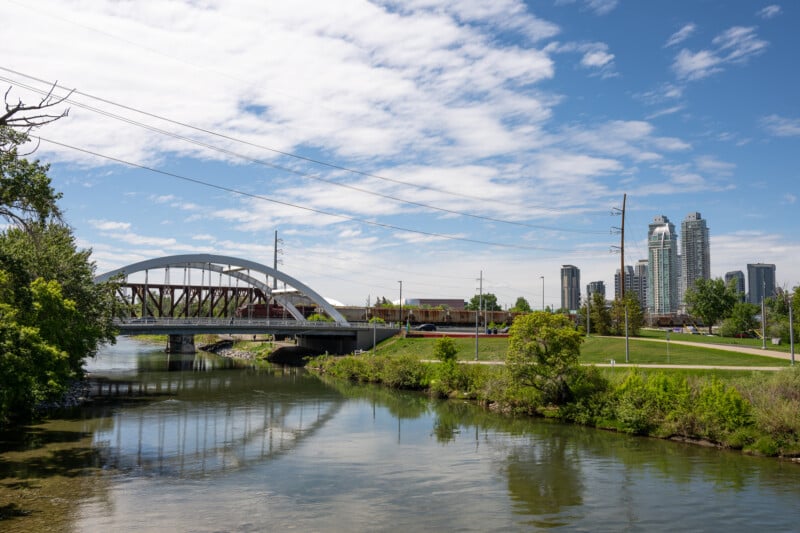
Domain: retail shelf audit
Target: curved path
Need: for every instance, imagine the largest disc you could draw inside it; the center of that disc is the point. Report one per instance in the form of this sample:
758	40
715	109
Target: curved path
719	346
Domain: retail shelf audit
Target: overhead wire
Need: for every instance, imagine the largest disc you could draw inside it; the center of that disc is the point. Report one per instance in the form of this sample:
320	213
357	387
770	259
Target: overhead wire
296	206
280	167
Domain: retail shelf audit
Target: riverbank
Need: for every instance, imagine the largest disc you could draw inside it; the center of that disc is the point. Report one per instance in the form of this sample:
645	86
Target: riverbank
755	413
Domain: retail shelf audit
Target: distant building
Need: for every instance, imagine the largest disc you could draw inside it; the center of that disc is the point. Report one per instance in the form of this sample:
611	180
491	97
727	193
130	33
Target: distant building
570	287
635	281
737	275
760	282
596	287
662	267
695	256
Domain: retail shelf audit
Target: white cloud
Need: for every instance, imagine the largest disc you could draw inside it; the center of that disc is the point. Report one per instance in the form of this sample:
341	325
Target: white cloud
789	198
769	12
595	55
735	45
681	35
602	7
781	126
108	225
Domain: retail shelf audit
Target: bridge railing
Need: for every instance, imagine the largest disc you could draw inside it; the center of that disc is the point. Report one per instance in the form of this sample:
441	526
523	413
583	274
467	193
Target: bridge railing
146	322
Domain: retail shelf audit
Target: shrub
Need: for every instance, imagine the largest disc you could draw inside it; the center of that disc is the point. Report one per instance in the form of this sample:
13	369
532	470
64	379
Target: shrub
445	349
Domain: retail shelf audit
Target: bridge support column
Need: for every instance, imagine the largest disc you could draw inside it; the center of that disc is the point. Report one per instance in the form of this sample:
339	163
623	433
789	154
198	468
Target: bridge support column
181	344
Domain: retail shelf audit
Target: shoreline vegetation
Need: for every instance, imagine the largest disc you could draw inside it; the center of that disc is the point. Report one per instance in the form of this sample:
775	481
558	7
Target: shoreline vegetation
748	410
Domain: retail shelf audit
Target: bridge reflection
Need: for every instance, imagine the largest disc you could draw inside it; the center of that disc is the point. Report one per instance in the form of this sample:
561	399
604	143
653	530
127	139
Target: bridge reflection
210	422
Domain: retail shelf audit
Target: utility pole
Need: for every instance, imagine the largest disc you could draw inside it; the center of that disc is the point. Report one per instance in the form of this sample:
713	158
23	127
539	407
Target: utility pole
401	303
621	247
588	312
542	292
478	313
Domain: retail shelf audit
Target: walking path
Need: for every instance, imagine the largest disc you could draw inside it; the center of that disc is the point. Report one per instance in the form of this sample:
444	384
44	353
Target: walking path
728	347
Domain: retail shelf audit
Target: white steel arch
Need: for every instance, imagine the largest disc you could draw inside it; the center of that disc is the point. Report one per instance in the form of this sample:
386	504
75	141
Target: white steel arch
221	264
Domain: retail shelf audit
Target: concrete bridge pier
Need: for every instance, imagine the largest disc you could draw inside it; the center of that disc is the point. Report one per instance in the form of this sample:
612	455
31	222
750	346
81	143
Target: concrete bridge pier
181	344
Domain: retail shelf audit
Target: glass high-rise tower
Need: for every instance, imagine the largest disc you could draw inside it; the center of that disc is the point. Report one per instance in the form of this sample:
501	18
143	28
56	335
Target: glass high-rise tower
662	267
695	252
570	288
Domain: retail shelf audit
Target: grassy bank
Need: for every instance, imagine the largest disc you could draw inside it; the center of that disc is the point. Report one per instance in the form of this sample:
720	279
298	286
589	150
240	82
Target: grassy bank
593	350
752	411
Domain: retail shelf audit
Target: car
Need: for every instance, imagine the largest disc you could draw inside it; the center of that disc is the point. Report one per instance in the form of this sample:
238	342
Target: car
425	327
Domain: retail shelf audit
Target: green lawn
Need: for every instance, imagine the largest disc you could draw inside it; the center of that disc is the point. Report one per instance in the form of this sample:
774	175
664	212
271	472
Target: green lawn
702	338
643	352
593	350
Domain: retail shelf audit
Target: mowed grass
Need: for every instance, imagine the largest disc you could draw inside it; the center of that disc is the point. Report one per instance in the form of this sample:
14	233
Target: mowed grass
593	350
644	352
702	338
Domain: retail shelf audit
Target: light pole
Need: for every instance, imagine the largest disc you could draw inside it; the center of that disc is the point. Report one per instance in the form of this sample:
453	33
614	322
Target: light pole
791	328
542	292
763	316
401	303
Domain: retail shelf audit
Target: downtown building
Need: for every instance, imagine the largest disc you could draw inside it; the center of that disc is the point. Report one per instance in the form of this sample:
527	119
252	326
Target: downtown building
596	287
663	268
695	256
635	282
570	287
760	282
737	277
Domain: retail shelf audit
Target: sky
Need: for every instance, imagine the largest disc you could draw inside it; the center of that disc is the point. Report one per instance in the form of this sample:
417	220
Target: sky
450	145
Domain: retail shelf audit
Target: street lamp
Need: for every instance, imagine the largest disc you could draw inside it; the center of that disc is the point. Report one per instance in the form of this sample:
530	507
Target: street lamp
542	292
401	302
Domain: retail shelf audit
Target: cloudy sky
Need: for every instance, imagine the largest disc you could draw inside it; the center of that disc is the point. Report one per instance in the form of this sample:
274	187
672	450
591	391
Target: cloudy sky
421	140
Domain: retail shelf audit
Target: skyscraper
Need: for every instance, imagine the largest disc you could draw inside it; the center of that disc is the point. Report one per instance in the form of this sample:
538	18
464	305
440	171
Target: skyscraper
760	282
635	282
737	275
570	287
662	267
598	287
695	252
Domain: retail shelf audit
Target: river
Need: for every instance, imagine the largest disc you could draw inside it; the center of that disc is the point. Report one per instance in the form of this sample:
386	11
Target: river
204	444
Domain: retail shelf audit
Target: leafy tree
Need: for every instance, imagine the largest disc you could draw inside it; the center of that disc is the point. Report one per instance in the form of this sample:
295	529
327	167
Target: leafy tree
635	315
543	350
25	192
741	320
521	306
487	303
711	300
445	349
600	315
318	317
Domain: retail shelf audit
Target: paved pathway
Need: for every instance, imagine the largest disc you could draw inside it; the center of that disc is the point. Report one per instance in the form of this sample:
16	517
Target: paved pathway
728	347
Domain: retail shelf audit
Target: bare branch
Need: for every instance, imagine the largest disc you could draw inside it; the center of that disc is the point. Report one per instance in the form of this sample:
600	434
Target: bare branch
16	114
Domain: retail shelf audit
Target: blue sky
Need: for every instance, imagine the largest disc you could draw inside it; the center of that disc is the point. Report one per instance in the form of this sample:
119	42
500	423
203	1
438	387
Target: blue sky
436	139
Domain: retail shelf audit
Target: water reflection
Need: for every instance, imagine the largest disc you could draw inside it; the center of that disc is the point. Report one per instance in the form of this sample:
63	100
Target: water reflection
208	445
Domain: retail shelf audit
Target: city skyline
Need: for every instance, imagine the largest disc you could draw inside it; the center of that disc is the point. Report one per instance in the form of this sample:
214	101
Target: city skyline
425	142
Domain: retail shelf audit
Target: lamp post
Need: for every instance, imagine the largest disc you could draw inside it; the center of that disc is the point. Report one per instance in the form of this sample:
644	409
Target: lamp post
401	303
542	292
791	328
763	316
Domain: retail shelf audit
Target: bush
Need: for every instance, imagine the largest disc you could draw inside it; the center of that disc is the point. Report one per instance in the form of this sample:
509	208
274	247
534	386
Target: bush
445	349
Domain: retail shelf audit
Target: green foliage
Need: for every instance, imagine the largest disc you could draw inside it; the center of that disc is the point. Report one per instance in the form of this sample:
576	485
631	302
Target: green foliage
26	195
487	302
600	315
521	306
377	320
445	349
711	300
635	315
318	317
741	320
543	350
721	410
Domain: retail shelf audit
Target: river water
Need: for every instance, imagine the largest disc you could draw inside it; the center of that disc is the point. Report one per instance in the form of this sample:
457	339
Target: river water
201	444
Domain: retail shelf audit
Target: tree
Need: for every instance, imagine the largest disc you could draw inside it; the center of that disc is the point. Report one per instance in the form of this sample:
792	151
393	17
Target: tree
600	315
635	315
487	302
521	306
543	350
445	349
711	300
741	320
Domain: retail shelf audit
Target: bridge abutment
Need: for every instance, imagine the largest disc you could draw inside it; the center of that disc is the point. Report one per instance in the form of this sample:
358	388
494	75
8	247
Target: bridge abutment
181	344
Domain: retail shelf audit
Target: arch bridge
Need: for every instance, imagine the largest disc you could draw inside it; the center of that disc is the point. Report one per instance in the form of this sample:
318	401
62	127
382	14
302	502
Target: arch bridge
183	295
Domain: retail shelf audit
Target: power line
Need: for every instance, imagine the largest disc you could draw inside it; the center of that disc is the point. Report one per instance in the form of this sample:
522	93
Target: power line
282	168
296	206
